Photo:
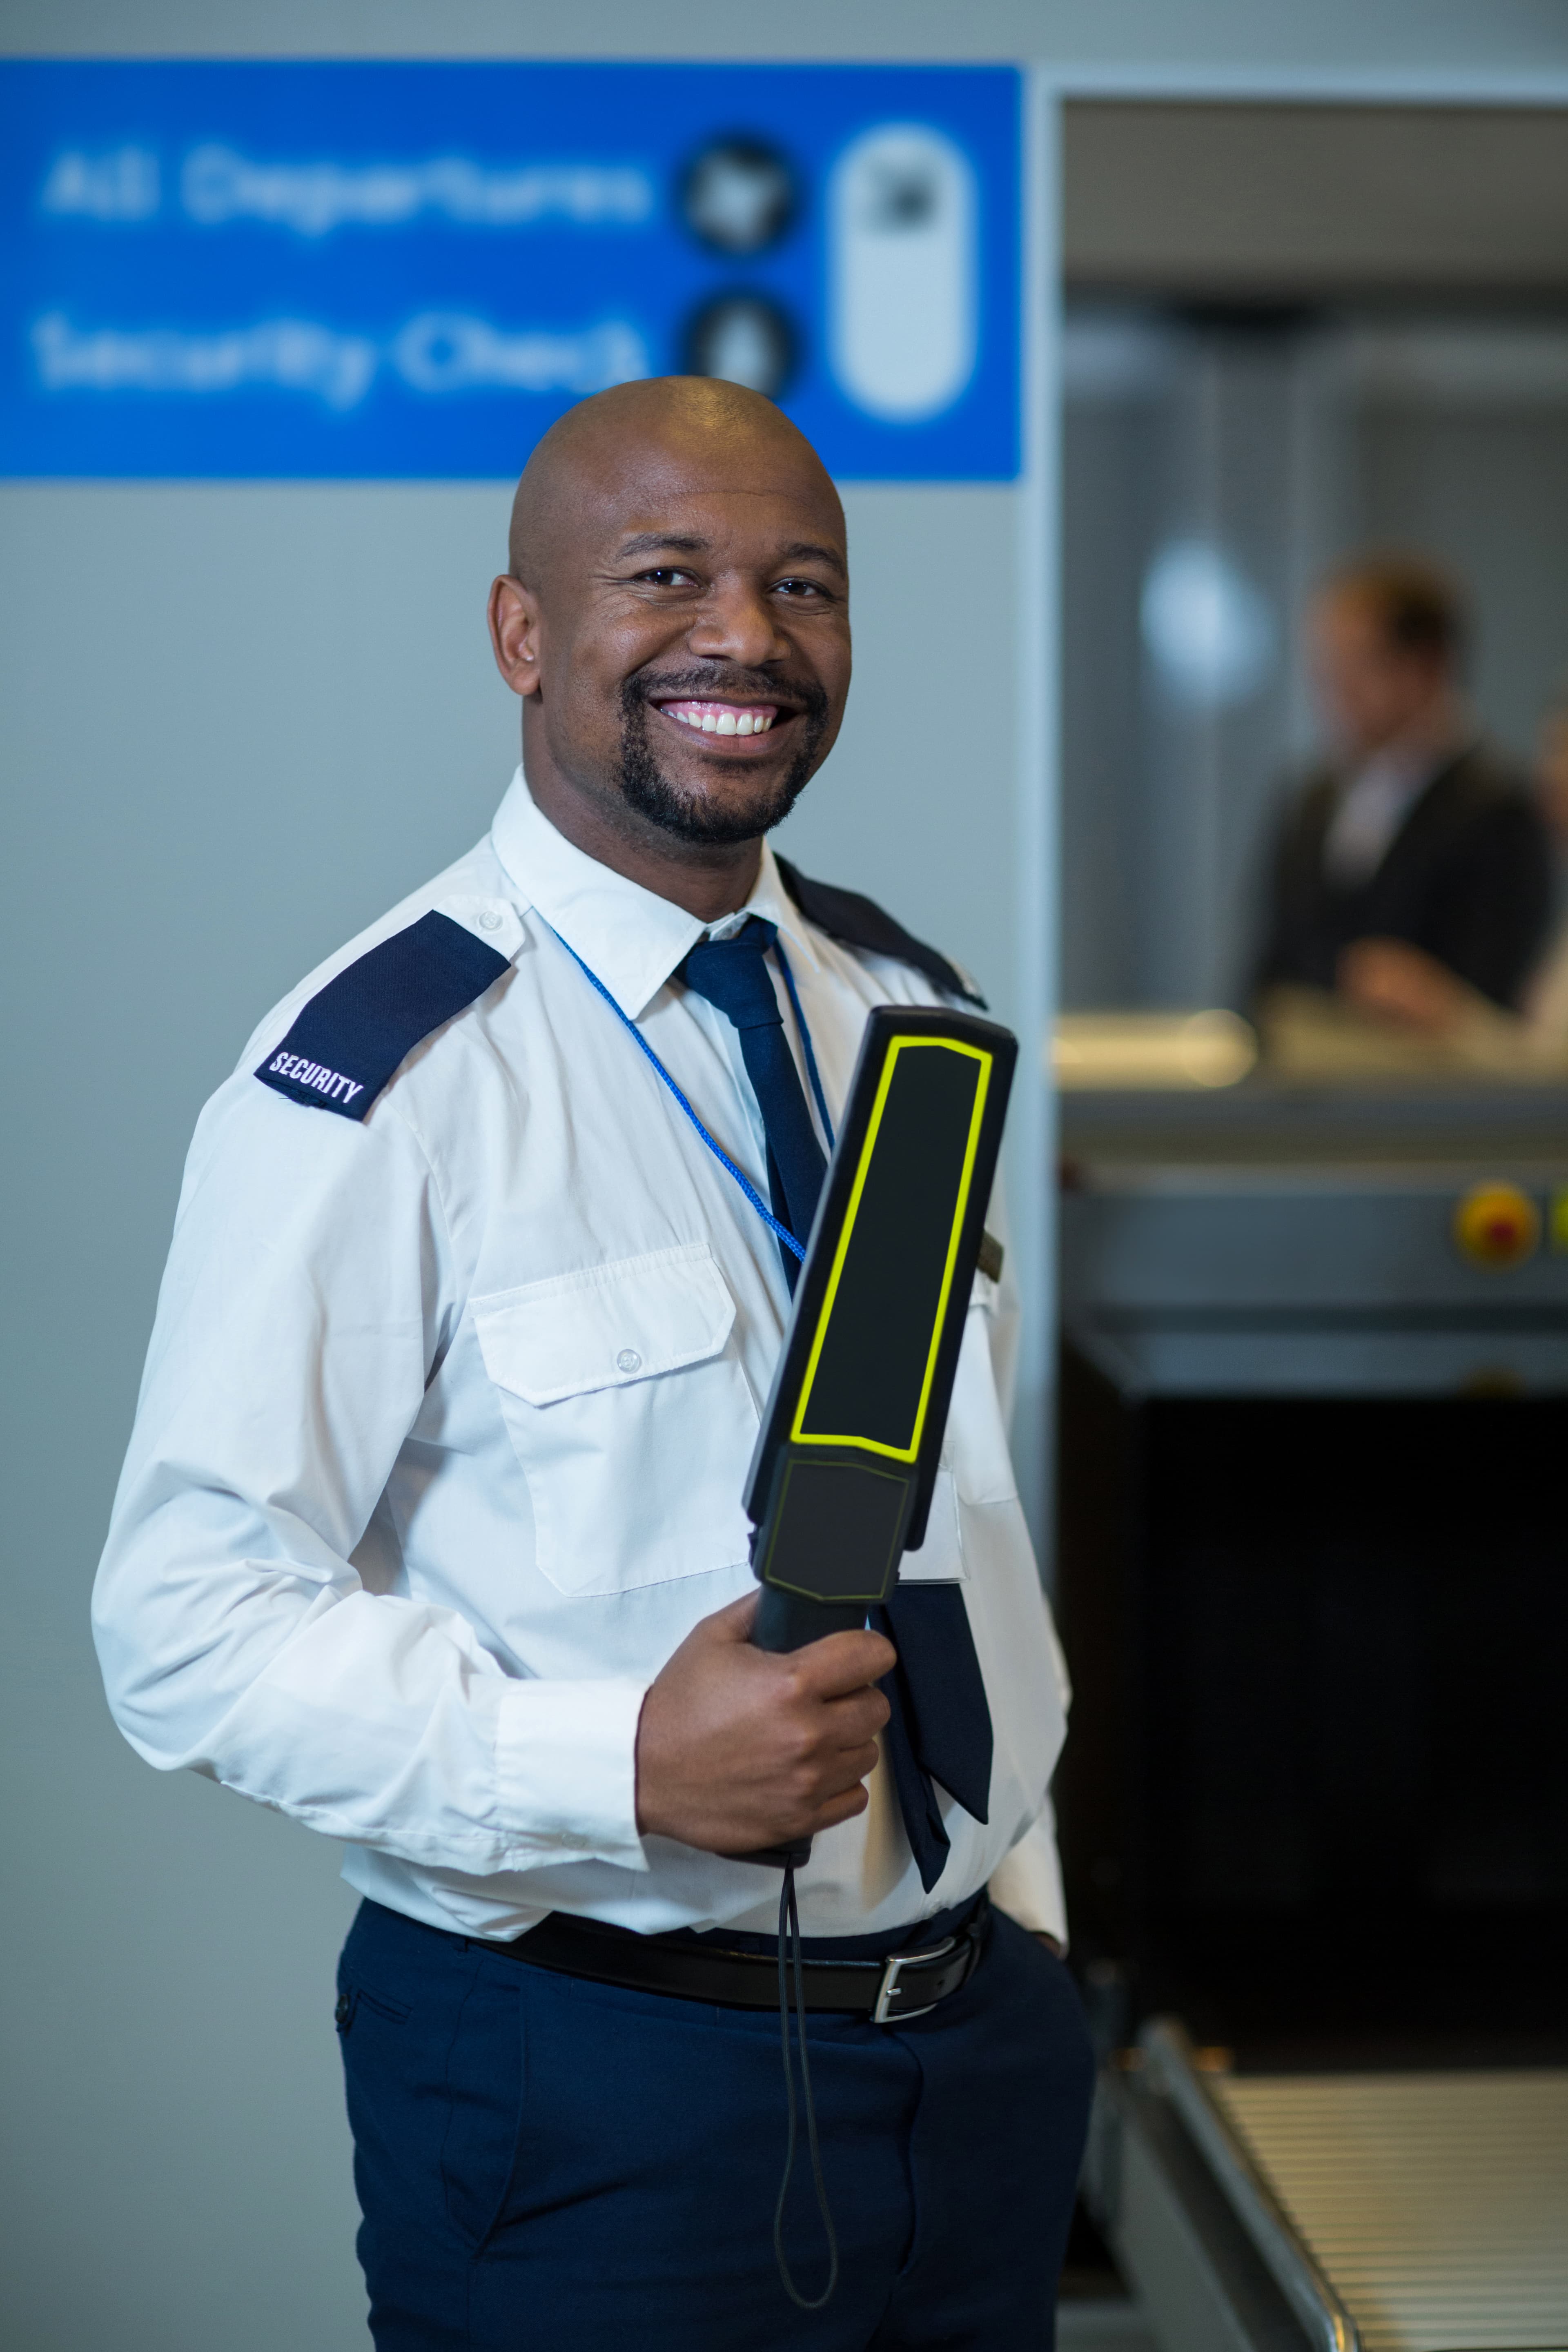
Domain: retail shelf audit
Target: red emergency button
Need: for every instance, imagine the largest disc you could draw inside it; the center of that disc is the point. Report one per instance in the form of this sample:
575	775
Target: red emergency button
1497	1225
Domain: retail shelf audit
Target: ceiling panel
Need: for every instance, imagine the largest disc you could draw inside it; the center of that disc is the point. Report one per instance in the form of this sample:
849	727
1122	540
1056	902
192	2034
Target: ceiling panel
1250	201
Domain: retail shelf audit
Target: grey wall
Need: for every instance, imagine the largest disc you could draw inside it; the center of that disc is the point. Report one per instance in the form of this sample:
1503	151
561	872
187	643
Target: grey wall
237	723
1228	36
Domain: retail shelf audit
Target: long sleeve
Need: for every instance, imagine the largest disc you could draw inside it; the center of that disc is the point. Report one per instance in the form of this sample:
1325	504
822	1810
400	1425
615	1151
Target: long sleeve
1027	1882
1004	1324
246	1613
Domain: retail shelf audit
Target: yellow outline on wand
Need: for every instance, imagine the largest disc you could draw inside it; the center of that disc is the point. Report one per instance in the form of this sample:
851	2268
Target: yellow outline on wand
798	1435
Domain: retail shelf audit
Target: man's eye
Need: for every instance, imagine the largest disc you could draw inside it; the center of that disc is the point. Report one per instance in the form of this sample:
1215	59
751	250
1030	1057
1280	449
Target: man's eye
666	575
800	588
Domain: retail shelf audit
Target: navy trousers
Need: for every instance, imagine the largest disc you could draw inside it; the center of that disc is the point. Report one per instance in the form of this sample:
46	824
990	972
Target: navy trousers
545	2162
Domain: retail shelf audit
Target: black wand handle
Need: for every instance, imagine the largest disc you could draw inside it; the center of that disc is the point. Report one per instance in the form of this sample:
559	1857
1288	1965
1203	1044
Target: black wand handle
789	1621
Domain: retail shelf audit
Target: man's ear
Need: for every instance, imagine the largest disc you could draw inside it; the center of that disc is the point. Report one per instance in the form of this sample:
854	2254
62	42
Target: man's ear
514	633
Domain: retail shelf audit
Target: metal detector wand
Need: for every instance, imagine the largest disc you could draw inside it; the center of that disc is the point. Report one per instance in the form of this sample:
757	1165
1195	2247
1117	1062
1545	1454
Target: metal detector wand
841	1481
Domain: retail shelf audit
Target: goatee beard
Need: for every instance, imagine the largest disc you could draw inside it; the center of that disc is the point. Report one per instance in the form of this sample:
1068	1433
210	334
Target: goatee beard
649	790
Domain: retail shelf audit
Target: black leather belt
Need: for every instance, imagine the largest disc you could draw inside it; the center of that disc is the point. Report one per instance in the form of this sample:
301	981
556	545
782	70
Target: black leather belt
889	1991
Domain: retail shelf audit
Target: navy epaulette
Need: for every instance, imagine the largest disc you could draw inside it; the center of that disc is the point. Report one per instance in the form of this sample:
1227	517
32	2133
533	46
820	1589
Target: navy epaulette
346	1043
859	923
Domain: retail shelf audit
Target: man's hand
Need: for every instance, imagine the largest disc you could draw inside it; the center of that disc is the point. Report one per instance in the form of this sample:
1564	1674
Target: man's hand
740	1748
1401	984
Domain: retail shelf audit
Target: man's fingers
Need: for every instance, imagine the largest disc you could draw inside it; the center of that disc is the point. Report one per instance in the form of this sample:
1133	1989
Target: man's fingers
855	1764
843	1809
842	1663
739	1748
733	1622
838	1664
853	1720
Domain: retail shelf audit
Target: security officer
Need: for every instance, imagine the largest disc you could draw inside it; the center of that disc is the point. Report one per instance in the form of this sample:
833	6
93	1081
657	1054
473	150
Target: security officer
430	1532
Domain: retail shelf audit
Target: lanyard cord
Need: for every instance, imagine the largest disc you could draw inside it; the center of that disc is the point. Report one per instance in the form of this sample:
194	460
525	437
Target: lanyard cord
789	1939
796	1249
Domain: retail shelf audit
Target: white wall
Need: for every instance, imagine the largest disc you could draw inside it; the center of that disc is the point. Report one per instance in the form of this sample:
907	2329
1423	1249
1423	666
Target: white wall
237	721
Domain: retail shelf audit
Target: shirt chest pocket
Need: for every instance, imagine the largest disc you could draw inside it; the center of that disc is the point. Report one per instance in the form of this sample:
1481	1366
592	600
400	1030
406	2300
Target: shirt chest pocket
624	1395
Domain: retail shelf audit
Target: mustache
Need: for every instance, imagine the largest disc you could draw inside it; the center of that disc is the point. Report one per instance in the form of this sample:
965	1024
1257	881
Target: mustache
648	791
722	682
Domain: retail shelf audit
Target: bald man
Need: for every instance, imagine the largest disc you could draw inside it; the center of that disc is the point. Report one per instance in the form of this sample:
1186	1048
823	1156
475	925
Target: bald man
430	1534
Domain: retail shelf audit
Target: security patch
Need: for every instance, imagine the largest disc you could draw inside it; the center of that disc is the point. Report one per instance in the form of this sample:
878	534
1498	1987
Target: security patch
349	1040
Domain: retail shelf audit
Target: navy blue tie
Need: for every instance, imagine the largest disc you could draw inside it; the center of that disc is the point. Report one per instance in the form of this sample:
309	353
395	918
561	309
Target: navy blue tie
733	975
939	1727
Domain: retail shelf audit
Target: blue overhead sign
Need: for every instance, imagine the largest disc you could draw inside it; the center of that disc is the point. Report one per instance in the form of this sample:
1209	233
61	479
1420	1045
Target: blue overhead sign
353	271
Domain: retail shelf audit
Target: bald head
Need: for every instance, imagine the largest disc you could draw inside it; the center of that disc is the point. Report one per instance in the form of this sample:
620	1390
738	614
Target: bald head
660	428
676	620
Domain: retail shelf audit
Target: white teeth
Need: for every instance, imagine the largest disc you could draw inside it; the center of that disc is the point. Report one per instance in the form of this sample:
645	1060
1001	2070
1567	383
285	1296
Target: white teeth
724	722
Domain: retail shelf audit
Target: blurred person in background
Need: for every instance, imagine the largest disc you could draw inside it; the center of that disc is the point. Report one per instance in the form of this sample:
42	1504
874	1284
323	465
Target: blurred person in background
1417	831
1414	993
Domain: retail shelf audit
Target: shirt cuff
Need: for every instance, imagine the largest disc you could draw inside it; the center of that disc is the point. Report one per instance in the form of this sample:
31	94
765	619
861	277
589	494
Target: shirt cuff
1027	1882
566	1773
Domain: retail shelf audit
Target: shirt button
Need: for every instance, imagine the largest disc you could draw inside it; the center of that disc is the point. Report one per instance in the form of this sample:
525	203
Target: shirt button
489	921
628	1361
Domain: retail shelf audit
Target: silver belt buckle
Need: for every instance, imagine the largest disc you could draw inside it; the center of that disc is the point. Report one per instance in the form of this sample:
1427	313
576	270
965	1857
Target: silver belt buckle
893	1968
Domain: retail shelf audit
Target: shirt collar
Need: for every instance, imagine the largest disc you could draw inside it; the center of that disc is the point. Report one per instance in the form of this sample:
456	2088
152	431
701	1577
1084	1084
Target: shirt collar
630	938
1410	763
1399	773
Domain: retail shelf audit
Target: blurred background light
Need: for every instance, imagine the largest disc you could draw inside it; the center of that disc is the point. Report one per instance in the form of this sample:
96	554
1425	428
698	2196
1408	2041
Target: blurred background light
1151	1050
1210	633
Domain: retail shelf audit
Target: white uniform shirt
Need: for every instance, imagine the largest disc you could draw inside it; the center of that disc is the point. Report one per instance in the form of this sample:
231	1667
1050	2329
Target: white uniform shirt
446	1420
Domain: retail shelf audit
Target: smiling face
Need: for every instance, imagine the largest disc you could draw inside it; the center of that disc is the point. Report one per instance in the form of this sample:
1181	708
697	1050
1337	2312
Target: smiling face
676	619
726	633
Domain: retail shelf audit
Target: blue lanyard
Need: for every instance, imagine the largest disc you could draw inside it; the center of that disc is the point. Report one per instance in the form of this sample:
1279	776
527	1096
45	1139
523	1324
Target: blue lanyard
796	1248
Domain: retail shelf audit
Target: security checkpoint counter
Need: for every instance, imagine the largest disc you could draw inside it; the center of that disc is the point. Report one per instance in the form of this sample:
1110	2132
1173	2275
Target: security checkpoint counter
1312	1554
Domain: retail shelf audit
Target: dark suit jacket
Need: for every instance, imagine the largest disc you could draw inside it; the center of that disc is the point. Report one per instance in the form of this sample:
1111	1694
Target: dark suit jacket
1468	877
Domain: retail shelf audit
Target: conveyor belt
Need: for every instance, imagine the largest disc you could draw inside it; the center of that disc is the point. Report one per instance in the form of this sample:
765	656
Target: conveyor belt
1410	2212
1436	2204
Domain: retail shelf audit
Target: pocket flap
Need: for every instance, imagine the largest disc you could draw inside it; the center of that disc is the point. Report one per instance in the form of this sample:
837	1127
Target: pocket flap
606	1326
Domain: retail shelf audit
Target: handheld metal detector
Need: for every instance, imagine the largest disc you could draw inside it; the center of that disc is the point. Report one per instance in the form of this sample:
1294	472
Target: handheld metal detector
840	1484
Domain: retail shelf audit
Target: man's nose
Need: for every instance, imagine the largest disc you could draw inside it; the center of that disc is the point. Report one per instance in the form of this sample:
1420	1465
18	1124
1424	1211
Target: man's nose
736	622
